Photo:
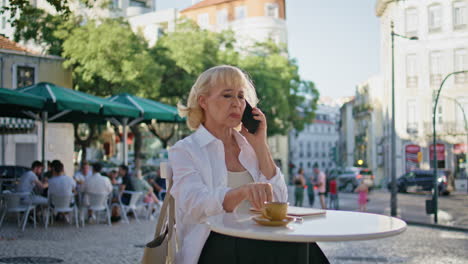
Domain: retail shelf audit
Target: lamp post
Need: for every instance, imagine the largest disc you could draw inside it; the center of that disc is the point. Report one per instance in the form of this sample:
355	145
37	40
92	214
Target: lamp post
434	153
393	199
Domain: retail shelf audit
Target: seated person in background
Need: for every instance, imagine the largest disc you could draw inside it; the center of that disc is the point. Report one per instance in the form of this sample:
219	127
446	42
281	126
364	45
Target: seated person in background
113	177
60	184
96	184
140	185
126	183
29	180
158	184
81	175
48	173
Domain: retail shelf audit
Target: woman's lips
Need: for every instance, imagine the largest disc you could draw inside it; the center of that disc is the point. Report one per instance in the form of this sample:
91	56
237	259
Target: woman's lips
235	115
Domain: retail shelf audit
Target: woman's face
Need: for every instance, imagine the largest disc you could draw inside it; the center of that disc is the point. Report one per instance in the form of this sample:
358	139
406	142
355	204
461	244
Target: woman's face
223	106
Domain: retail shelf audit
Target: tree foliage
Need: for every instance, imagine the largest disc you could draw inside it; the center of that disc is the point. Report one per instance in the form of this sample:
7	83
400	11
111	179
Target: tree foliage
108	58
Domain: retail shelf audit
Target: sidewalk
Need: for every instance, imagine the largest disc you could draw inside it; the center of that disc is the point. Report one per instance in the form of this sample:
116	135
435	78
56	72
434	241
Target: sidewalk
453	211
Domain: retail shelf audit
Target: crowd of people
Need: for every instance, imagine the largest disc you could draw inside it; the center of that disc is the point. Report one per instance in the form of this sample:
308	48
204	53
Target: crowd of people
316	182
89	179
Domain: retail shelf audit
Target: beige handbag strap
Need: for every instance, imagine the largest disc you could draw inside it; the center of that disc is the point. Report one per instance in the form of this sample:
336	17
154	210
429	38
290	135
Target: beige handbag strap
164	226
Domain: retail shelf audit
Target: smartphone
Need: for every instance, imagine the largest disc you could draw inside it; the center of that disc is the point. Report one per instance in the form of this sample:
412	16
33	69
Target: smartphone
247	119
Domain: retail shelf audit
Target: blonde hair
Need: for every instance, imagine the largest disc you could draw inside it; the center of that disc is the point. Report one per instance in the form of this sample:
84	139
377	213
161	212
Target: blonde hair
218	76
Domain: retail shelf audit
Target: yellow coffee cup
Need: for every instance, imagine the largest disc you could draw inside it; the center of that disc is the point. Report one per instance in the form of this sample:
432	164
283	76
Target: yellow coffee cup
275	211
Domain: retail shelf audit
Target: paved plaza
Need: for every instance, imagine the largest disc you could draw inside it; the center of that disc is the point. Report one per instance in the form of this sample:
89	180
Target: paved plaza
121	243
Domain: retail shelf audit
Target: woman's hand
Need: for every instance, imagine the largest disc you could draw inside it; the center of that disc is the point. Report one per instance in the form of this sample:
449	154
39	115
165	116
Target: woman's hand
258	193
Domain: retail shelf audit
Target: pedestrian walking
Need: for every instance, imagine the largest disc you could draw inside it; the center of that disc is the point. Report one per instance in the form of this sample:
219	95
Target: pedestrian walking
363	190
310	189
299	182
321	185
333	190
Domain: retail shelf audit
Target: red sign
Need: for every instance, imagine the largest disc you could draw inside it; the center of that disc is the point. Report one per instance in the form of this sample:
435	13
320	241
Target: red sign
459	148
411	156
440	150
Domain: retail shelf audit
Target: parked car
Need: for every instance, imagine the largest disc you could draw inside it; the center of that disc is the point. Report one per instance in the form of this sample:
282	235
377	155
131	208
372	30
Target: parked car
9	175
421	180
349	179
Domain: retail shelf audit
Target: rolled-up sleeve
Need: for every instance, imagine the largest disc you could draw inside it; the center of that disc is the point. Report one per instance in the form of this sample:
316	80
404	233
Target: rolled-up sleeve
280	190
191	194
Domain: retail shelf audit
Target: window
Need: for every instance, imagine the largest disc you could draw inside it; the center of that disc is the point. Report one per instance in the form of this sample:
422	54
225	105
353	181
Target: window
24	76
222	17
203	20
271	10
3	22
411	72
461	63
439	114
411	19
435	17
241	12
412	124
436	67
308	165
459	14
460	117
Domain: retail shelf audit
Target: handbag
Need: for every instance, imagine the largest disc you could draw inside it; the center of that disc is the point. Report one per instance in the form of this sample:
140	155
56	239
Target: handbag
162	249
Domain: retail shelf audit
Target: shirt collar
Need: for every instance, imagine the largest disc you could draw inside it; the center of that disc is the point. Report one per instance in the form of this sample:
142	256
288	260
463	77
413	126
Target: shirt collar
204	137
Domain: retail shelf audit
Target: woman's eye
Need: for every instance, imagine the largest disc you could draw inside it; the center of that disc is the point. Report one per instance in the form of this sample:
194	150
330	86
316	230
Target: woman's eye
227	96
240	97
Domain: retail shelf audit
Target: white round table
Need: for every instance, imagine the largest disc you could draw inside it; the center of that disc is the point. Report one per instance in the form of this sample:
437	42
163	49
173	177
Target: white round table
332	226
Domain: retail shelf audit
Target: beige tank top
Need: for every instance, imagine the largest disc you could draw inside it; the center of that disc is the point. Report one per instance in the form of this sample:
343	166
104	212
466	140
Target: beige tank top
237	179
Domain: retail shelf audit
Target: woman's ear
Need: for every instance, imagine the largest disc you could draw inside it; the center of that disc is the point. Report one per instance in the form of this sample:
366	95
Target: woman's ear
202	101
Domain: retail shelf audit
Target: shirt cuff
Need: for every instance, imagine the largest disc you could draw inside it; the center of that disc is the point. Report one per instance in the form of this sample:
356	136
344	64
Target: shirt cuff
217	206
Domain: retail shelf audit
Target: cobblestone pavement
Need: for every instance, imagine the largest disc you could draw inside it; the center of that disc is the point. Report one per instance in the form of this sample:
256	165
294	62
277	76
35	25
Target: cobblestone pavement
120	244
411	206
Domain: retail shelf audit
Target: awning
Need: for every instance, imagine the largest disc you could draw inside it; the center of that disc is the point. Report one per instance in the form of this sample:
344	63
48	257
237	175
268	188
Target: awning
10	125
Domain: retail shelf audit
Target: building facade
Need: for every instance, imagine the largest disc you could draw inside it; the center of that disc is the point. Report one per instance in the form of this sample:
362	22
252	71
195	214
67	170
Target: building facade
346	135
317	143
18	68
251	20
420	66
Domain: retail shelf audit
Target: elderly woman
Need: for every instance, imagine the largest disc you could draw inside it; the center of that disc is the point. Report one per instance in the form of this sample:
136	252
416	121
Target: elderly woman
221	168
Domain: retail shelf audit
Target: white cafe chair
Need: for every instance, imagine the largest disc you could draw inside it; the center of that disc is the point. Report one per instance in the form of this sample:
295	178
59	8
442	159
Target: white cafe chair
135	204
19	202
61	204
96	202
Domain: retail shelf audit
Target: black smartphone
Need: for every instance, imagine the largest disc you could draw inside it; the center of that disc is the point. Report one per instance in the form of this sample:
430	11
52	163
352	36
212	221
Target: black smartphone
247	119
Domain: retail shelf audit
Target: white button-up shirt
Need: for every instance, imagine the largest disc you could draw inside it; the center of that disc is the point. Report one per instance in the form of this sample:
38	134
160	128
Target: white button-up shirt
200	184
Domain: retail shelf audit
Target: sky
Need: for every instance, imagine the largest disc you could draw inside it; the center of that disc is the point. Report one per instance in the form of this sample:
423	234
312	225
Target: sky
335	42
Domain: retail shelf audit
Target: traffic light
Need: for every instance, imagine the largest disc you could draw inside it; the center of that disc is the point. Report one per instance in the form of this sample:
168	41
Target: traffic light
360	162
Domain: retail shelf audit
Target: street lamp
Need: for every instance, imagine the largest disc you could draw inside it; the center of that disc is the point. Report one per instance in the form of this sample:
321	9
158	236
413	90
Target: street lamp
434	153
393	199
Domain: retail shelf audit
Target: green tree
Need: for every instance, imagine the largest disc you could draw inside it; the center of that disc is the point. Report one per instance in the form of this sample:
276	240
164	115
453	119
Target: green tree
188	52
40	27
281	92
108	58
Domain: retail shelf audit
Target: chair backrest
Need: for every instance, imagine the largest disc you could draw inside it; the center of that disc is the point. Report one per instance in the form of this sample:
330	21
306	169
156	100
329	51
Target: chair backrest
61	203
135	198
97	201
17	200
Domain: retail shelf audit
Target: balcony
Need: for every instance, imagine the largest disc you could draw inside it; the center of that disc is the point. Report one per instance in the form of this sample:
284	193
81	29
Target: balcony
362	110
436	80
446	128
412	81
412	128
